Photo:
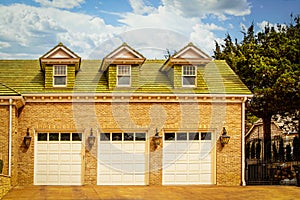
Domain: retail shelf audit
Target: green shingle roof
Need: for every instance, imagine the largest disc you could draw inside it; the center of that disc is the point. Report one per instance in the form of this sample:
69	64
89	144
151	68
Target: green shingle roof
25	77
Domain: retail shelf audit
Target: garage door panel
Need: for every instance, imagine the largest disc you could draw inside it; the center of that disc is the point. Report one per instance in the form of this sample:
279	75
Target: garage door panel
128	147
42	157
104	147
116	157
193	146
194	167
42	147
76	157
76	146
53	147
65	147
127	157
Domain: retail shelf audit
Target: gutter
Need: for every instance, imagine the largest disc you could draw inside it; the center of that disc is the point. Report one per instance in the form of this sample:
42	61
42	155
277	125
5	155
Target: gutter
243	142
10	137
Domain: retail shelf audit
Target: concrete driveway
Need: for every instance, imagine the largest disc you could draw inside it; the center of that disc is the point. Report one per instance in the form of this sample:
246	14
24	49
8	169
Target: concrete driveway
154	192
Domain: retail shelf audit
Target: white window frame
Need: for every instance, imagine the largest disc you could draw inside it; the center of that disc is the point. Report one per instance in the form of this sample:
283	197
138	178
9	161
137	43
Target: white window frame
189	74
60	75
119	75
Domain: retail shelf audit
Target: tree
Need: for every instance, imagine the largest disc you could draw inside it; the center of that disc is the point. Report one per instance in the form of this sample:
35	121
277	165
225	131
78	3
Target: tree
269	64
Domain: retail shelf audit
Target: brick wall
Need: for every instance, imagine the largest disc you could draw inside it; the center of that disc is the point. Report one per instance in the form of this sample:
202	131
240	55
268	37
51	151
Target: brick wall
5	185
4	116
124	116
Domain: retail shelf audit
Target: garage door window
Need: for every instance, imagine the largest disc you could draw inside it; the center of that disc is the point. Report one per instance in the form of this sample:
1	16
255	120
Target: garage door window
185	136
59	137
123	137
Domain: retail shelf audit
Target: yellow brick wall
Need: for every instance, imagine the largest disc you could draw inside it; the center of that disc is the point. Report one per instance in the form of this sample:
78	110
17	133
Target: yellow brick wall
124	116
5	185
4	116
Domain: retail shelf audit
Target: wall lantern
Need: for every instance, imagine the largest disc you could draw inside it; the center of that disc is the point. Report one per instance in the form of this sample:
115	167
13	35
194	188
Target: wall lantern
27	138
91	138
157	138
224	138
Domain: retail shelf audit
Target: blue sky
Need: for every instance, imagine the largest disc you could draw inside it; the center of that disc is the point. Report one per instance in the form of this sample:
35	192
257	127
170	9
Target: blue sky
93	28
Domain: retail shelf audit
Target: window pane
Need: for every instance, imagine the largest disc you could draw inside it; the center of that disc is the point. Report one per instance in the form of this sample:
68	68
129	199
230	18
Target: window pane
189	70
206	136
140	137
59	70
128	136
169	136
124	70
59	80
42	136
53	136
124	80
105	136
181	136
116	136
193	136
65	137
76	136
188	80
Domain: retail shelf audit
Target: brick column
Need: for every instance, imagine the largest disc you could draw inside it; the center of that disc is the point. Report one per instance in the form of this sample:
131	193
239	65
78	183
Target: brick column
155	167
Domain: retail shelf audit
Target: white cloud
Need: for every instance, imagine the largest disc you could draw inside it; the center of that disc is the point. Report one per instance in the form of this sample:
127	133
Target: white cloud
60	3
202	8
262	25
204	38
4	45
36	30
139	7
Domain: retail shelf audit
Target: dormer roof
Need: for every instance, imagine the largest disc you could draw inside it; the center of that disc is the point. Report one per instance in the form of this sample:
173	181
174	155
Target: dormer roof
188	55
124	54
60	54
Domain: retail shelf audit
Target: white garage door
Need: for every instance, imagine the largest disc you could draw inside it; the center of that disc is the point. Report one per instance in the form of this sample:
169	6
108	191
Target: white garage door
188	158
122	159
58	159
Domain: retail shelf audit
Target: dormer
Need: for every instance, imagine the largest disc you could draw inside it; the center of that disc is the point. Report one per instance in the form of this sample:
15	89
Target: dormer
60	66
182	68
122	67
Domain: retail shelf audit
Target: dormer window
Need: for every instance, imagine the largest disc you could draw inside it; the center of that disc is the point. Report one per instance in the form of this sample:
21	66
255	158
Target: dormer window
189	75
59	75
123	75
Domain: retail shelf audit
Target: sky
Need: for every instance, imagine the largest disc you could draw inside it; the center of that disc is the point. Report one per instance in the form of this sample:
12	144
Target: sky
94	28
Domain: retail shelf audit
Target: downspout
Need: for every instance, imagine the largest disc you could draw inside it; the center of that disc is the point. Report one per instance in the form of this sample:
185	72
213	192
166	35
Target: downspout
10	137
243	142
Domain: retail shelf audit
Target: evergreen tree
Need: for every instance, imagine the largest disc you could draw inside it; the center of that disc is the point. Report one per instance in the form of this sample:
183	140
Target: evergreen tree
269	64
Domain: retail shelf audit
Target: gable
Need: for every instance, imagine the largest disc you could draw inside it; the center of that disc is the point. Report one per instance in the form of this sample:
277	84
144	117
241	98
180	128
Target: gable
191	52
188	55
122	55
124	52
60	54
